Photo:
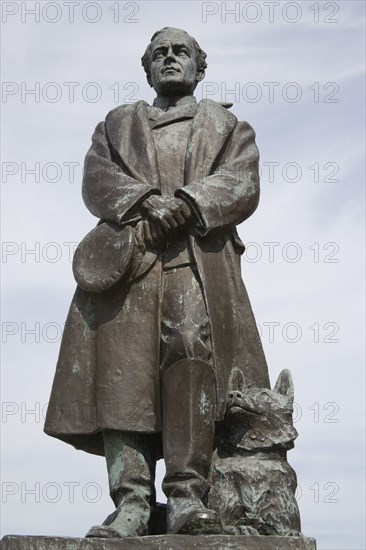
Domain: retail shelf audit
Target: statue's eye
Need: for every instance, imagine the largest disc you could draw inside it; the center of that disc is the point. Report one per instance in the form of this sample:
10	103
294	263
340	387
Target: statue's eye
158	55
182	52
266	398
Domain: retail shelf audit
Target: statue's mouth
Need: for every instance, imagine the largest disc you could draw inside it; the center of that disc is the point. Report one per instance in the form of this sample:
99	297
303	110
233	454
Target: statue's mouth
170	70
235	408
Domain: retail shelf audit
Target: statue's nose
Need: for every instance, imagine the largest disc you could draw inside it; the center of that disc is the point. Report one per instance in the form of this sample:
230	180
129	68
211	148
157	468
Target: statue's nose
169	59
235	394
170	54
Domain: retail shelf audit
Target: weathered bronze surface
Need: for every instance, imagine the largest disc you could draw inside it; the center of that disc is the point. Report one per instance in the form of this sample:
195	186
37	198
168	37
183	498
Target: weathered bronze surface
160	334
252	485
162	542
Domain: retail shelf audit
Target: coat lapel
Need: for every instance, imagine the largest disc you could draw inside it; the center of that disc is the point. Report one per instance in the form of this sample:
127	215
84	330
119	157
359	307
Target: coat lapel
130	134
211	128
174	115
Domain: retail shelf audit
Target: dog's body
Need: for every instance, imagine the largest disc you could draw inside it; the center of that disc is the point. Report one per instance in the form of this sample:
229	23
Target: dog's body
253	486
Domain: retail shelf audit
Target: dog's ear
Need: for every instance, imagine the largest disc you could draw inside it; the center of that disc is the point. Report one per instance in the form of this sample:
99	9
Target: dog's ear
236	381
284	384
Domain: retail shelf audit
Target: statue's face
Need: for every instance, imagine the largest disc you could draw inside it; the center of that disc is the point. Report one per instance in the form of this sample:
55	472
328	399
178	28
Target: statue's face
173	67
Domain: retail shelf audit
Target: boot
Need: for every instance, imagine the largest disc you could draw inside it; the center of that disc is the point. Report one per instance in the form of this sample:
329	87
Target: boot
188	433
131	475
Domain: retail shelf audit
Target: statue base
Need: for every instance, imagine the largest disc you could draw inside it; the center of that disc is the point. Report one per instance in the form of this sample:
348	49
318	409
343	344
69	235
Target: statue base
159	542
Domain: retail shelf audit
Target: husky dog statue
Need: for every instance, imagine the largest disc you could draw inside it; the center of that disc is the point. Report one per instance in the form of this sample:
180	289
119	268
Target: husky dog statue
252	484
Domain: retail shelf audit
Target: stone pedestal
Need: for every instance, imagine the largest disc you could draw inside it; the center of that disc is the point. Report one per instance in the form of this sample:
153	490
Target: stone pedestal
159	542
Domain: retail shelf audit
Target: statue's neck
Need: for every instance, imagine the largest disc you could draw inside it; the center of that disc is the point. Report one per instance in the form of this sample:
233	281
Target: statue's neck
165	102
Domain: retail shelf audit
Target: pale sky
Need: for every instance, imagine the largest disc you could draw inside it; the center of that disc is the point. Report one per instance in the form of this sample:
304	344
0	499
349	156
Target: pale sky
295	72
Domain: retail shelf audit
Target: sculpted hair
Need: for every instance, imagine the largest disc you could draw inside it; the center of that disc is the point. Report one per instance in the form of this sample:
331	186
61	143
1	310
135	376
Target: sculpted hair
200	54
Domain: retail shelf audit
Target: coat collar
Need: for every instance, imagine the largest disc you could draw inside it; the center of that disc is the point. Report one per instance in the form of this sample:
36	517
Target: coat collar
130	134
164	103
184	112
167	110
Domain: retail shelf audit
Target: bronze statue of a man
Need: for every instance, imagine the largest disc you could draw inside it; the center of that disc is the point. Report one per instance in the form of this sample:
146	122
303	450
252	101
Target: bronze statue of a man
145	362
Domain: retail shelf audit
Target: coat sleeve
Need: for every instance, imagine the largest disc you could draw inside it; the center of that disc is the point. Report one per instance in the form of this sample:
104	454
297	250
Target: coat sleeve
230	194
108	190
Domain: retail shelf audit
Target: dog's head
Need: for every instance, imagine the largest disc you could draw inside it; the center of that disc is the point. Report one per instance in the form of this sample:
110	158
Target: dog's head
260	418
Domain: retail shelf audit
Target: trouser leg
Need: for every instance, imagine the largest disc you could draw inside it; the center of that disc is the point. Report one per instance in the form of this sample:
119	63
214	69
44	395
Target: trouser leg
131	473
188	404
188	435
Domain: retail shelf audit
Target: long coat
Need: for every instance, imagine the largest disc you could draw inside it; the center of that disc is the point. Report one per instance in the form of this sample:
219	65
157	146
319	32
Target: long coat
107	374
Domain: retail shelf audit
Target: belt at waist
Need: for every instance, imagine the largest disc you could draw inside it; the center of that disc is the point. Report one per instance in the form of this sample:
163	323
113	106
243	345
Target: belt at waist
176	253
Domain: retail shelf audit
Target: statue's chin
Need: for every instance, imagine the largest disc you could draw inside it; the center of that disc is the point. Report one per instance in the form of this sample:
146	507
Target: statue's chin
174	86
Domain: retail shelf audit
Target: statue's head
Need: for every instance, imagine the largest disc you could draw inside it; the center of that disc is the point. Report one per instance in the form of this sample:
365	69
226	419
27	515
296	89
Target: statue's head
174	63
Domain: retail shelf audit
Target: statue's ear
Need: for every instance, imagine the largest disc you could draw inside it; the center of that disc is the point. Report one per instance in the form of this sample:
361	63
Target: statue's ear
148	78
284	384
236	381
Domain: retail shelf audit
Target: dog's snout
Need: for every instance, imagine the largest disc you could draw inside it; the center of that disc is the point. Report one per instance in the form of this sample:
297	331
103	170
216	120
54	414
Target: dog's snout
235	395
